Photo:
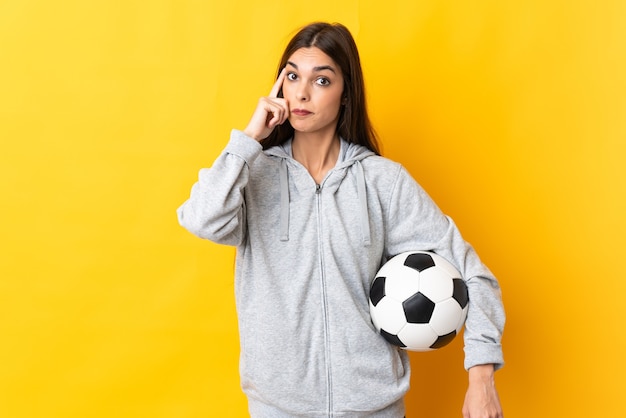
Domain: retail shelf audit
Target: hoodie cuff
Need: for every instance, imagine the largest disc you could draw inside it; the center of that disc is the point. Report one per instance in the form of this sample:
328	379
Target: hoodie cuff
241	145
488	354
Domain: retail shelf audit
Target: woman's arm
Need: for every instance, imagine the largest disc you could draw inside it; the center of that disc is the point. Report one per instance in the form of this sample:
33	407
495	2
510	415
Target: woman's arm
416	223
215	209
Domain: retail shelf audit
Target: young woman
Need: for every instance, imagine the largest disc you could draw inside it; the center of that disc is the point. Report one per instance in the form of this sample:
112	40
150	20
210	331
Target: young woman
314	211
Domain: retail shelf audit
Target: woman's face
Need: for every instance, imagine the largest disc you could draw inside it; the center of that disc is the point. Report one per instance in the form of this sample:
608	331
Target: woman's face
313	87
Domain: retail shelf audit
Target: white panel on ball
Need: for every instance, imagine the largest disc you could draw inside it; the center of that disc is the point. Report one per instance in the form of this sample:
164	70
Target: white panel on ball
404	284
435	284
390	315
417	336
445	317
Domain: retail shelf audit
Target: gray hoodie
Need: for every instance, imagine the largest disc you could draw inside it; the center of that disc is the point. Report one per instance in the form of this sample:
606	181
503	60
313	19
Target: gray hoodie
306	255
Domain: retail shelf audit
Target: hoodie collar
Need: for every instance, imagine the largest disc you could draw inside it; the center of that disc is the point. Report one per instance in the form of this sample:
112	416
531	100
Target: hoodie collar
350	157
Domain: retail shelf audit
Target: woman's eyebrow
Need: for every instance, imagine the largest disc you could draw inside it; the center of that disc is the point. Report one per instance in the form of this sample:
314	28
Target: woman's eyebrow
315	69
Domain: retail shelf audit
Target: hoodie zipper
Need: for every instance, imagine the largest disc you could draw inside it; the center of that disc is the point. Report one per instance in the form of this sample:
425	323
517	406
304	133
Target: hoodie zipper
318	195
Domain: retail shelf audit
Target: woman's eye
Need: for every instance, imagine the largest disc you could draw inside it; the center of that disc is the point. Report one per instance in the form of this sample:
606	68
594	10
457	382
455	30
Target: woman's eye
322	81
291	76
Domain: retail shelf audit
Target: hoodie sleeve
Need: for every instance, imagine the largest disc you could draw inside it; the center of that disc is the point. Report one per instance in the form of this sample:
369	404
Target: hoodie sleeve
416	223
215	209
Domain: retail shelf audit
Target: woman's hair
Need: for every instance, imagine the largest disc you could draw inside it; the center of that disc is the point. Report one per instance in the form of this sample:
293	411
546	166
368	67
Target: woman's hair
335	41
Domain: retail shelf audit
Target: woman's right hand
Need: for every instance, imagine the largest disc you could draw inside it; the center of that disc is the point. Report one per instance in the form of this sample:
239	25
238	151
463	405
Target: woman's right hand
269	113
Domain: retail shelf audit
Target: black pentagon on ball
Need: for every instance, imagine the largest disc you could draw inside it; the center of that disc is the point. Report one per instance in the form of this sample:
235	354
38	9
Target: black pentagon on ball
460	293
419	261
392	339
443	340
418	309
377	291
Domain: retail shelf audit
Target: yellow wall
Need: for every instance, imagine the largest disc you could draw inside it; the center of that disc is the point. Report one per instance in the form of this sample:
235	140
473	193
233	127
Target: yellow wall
511	114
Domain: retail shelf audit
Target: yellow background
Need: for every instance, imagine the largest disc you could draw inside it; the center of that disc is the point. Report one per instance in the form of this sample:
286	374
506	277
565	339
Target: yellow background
512	114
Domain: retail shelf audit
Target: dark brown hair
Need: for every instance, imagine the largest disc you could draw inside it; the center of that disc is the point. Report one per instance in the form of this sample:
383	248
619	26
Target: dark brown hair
335	40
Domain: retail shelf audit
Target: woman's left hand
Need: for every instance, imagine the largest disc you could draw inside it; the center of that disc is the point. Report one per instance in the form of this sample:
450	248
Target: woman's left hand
481	399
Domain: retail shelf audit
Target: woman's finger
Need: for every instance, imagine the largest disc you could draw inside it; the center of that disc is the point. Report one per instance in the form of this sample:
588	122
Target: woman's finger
276	114
278	84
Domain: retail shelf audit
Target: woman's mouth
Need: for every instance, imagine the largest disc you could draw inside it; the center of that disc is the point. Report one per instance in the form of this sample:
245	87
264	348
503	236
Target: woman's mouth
301	112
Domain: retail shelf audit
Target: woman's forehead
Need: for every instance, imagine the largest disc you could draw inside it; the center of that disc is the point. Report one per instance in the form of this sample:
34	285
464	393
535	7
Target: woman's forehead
312	58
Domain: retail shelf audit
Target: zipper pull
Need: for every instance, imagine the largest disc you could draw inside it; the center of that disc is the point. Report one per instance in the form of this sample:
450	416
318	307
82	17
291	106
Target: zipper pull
318	189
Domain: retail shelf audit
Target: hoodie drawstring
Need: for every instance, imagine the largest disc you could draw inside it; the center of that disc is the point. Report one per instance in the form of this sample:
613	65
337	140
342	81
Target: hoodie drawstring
284	201
362	195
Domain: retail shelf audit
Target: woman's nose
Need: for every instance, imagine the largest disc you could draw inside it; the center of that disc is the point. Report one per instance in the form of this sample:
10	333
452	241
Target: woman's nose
302	94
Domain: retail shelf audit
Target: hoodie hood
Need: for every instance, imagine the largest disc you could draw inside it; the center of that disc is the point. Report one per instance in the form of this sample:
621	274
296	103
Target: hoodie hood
349	161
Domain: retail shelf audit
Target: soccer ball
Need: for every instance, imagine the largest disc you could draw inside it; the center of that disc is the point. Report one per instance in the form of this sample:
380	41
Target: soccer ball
418	301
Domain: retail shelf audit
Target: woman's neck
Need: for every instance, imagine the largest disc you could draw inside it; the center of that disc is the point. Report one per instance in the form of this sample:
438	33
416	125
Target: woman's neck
318	154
